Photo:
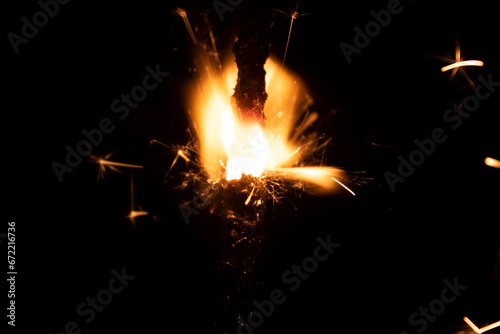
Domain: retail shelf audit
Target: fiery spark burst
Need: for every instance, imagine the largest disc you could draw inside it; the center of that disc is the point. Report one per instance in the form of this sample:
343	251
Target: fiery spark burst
251	143
229	149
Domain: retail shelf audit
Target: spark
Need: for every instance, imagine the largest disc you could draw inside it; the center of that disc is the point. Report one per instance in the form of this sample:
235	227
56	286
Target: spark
214	53
183	156
293	17
250	196
134	214
182	13
104	163
349	190
462	63
288	39
458	63
492	162
481	330
386	146
298	148
118	164
154	141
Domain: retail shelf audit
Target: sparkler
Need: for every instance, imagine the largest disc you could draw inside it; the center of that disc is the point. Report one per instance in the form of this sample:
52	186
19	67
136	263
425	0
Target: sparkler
248	144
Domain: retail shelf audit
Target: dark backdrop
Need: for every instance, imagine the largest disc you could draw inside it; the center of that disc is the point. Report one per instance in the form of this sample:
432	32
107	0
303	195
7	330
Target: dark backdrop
397	247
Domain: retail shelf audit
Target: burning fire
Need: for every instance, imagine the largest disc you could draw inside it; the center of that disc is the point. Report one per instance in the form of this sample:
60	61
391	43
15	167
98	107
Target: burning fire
230	146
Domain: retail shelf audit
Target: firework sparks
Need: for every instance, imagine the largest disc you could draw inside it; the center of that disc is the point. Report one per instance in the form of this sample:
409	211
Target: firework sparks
481	330
248	139
182	13
458	63
349	190
293	16
118	164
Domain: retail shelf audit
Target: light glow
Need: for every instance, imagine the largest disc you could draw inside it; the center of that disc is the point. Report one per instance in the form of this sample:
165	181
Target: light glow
118	164
481	330
462	63
492	162
230	147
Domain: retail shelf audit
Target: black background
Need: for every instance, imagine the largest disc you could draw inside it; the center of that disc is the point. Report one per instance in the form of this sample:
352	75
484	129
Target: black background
397	247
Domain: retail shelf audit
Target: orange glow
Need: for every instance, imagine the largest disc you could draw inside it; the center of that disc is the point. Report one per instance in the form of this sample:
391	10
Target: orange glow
349	190
134	214
118	164
471	324
462	63
228	149
182	13
481	330
492	162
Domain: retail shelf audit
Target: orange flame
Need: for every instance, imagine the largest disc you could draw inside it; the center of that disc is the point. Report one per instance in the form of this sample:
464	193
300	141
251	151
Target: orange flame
228	149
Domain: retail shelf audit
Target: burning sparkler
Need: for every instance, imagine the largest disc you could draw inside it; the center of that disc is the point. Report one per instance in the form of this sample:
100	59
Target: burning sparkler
248	144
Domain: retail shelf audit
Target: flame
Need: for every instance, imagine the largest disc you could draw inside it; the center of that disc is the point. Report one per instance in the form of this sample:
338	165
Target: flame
230	148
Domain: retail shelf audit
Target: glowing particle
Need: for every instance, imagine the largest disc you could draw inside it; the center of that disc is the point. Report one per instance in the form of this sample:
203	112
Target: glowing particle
481	330
349	190
462	63
183	156
492	162
117	164
134	213
182	13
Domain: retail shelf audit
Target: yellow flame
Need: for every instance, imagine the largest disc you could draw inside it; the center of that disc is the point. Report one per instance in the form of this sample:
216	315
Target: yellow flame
228	149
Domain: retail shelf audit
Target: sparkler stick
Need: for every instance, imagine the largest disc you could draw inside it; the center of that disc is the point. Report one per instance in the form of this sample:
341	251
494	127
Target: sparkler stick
251	51
248	163
244	198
